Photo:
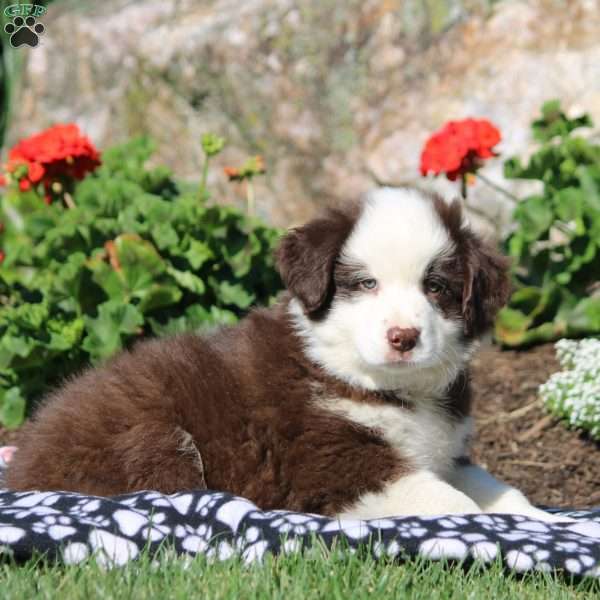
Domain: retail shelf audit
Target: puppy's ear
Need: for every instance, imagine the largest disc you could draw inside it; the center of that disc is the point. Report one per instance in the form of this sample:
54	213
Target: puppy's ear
306	257
486	287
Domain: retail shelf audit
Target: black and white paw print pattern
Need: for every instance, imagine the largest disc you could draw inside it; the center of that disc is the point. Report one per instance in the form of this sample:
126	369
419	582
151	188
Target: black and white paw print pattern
24	31
73	528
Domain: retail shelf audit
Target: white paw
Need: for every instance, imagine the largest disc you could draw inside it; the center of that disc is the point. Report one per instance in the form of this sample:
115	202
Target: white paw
542	515
531	512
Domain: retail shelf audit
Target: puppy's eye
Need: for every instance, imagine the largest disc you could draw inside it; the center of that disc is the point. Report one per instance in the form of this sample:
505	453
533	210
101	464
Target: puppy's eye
368	284
434	287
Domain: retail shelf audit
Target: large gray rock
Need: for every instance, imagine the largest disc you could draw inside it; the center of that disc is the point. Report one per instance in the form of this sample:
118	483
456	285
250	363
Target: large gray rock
336	95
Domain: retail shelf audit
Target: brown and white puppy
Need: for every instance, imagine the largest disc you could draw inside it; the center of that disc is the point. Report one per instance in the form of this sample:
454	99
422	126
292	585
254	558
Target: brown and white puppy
350	397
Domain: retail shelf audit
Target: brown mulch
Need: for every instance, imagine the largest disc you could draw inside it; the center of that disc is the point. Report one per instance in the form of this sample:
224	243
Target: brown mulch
515	439
520	443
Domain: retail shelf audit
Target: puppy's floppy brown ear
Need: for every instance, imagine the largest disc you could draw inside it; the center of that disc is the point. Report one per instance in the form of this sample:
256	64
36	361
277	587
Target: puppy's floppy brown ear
486	287
306	257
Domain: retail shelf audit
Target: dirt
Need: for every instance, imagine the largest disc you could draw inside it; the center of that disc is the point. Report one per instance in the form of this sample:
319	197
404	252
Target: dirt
519	442
515	439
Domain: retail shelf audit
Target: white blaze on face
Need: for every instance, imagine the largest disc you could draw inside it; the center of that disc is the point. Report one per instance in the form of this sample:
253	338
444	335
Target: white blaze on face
395	240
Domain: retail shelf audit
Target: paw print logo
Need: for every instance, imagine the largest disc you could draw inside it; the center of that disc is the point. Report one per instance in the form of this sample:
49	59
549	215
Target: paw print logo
24	31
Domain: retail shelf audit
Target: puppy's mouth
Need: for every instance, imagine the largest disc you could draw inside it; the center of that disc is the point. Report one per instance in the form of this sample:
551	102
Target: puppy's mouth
400	358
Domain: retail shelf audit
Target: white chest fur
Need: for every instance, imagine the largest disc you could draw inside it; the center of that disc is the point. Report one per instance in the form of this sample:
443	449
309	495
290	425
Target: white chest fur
425	436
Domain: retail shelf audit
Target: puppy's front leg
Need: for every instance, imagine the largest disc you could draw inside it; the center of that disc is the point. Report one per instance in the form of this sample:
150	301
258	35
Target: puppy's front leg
494	496
420	493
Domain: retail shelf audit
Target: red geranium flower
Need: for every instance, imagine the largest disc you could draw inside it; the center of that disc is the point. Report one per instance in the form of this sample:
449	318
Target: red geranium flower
57	153
459	148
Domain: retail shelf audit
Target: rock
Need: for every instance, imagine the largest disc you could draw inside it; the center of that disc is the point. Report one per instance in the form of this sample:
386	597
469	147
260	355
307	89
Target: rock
337	96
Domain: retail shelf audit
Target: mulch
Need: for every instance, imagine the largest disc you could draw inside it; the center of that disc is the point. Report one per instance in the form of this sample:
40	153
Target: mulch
515	439
519	442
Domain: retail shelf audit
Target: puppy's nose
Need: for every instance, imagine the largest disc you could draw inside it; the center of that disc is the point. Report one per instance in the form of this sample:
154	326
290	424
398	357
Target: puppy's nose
403	339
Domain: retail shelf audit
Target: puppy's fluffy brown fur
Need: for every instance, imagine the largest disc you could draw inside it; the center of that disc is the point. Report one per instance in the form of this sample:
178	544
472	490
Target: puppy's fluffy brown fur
233	411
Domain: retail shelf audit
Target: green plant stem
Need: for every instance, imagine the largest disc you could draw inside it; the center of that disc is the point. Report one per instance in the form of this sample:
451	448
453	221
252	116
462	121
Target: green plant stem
250	197
463	186
498	188
204	177
68	200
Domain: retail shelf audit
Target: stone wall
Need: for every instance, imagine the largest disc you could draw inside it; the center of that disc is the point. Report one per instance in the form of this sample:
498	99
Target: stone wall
337	95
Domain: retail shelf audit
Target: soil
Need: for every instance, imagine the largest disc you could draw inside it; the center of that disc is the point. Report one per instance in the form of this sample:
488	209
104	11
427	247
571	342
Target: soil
520	443
515	439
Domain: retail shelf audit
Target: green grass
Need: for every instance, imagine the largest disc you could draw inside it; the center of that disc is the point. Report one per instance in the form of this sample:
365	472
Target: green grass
336	575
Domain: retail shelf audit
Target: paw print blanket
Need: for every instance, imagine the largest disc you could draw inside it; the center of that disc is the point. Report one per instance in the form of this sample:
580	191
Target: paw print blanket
71	527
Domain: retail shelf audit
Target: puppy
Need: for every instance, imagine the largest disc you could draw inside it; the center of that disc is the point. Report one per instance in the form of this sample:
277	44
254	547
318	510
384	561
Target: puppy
348	398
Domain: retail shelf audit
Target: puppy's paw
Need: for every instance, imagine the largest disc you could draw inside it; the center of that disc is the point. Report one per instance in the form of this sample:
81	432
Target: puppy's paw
515	503
542	515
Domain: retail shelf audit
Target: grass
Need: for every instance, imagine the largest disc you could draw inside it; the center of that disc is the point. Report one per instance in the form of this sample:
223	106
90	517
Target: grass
315	574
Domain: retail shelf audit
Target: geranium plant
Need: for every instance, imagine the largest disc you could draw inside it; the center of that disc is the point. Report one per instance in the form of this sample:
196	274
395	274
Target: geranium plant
130	253
555	240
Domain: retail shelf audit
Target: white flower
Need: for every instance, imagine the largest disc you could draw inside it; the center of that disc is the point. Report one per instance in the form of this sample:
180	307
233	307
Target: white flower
574	393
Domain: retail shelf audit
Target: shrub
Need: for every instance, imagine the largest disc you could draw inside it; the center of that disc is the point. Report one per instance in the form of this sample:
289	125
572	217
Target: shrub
127	252
555	243
574	393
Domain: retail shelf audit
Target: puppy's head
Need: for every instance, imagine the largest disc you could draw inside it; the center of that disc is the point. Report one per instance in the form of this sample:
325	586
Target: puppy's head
401	284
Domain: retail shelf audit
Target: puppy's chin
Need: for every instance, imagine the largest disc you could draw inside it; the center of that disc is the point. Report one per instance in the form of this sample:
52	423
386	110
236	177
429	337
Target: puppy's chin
394	360
427	370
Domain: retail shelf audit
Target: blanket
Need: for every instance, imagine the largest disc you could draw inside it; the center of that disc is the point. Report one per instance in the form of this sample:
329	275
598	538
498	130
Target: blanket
71	527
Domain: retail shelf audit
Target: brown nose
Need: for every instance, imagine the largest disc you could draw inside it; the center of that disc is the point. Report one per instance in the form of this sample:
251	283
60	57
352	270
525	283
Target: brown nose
403	339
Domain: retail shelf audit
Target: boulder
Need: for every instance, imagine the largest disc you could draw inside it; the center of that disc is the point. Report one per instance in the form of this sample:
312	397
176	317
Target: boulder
337	96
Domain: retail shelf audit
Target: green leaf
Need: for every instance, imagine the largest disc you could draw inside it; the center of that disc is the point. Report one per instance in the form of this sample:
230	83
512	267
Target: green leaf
585	317
198	253
106	331
30	316
554	122
17	345
13	406
535	217
526	299
569	203
164	235
159	295
584	251
134	275
65	335
546	332
187	280
221	316
589	178
511	326
108	279
139	260
232	293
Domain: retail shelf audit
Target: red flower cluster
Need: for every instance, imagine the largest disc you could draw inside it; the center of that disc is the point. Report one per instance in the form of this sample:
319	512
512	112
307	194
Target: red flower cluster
459	148
58	153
